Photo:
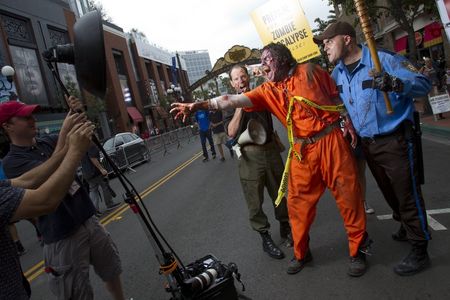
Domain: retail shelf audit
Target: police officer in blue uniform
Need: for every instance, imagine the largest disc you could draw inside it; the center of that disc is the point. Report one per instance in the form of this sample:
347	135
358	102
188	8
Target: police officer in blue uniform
388	140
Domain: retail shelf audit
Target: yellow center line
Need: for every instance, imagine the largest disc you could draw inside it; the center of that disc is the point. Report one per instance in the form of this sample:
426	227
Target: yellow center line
38	269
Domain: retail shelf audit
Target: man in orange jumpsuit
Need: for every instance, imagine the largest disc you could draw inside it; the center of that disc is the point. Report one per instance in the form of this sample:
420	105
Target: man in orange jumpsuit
305	99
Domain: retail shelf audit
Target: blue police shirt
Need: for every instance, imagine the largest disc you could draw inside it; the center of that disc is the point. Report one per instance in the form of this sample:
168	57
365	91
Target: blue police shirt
366	106
202	117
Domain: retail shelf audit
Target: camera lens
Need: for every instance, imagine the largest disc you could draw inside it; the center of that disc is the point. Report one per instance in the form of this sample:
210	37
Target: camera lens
202	281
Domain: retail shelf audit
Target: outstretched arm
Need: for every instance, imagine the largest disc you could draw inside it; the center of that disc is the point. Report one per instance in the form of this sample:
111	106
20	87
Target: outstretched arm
222	102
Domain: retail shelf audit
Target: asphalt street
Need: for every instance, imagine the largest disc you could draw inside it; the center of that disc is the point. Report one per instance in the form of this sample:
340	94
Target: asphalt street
200	209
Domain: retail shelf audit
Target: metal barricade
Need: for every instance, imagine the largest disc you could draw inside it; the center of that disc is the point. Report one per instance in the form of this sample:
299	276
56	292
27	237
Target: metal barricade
162	142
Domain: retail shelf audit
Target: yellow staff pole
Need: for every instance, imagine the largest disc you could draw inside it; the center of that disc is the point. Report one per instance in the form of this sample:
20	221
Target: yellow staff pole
364	19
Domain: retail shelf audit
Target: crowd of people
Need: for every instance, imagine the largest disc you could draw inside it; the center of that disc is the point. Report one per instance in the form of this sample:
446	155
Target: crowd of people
335	125
312	104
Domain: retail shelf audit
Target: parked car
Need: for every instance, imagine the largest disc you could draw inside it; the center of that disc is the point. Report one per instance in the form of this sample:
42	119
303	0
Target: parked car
126	149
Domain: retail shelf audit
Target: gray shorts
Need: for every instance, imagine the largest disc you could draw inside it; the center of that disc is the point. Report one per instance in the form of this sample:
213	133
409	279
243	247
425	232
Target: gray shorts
67	261
220	138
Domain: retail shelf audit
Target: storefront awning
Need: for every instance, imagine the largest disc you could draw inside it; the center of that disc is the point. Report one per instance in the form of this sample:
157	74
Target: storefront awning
432	34
134	114
401	44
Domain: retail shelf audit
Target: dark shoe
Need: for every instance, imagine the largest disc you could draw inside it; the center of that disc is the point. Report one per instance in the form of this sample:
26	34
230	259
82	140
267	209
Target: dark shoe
214	156
222	159
400	235
205	159
270	247
98	214
416	261
357	266
296	265
114	205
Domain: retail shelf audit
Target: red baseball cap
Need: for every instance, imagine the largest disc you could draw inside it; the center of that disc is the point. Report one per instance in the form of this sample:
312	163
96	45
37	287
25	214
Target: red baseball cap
11	109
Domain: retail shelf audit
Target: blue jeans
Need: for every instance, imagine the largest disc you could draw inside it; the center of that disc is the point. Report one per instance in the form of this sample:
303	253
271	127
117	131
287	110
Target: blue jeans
203	136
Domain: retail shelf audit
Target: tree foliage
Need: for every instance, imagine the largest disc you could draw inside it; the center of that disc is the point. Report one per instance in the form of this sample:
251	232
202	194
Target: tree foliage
320	27
97	5
404	12
225	80
139	35
94	105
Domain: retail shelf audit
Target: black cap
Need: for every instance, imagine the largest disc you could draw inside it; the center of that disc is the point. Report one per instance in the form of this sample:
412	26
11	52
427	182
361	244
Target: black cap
333	29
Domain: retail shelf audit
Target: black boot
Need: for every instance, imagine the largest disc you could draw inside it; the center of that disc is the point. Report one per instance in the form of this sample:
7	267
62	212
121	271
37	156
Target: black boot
400	235
416	261
270	247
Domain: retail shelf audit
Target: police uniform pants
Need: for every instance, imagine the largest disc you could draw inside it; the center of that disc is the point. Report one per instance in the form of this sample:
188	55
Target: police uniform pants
393	162
326	163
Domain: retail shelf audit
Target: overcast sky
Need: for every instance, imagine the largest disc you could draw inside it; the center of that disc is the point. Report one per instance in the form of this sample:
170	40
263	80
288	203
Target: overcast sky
213	25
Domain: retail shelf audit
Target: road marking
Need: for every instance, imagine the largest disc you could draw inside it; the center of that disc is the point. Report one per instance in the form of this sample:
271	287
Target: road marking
38	269
432	222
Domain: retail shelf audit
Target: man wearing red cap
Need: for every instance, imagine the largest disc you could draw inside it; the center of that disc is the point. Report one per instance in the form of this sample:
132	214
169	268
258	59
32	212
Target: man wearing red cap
73	236
35	193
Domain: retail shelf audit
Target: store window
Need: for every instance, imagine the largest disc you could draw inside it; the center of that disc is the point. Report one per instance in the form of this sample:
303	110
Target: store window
123	78
23	50
29	75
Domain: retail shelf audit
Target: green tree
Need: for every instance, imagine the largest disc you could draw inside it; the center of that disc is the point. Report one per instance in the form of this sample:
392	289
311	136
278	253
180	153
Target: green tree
165	101
225	80
404	13
97	5
197	94
94	105
139	35
322	24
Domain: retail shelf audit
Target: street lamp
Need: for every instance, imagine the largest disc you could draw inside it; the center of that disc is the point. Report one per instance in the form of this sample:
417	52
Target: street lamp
8	72
7	93
211	94
175	91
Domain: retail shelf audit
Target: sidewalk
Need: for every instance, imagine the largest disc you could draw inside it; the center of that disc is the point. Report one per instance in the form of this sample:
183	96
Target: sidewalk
439	128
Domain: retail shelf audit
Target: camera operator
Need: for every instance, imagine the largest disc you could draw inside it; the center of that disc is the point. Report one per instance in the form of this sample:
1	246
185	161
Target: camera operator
35	193
73	236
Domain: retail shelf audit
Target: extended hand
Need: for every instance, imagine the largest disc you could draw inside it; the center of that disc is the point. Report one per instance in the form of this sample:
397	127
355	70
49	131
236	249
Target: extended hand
385	82
182	109
80	137
75	104
349	129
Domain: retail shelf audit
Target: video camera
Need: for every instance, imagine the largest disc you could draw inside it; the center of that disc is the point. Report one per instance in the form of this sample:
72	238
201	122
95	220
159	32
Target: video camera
208	278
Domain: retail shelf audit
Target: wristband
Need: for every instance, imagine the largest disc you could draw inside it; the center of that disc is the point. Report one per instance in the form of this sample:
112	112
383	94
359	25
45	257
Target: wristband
212	104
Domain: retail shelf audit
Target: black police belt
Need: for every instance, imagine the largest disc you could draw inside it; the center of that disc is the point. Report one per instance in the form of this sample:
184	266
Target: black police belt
404	129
